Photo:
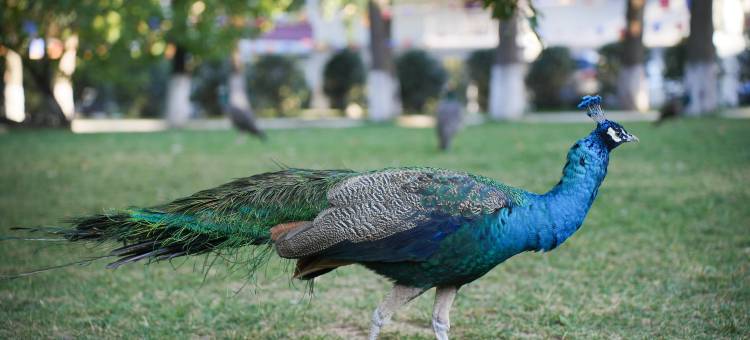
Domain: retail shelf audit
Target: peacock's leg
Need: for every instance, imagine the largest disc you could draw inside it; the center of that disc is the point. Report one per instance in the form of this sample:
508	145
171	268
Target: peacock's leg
398	297
441	312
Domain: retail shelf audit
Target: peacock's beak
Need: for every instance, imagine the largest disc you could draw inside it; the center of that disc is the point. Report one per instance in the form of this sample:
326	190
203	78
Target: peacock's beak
631	138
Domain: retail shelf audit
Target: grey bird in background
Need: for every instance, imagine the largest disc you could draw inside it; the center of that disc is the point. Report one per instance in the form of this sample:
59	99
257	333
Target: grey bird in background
449	118
244	120
238	107
672	108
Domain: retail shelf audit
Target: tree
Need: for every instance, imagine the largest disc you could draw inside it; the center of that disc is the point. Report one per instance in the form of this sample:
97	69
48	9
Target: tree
480	64
421	78
507	92
205	29
701	81
58	27
277	83
632	86
22	22
381	84
341	74
548	76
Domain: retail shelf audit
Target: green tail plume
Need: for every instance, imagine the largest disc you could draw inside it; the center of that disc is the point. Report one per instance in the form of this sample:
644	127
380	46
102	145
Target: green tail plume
237	214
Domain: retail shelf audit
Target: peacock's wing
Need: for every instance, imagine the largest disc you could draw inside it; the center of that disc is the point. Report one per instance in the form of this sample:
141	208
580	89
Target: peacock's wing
394	215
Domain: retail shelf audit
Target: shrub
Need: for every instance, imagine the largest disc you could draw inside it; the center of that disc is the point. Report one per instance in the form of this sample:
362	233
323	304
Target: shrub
457	79
210	87
118	84
548	75
608	68
276	83
421	78
674	61
342	73
479	64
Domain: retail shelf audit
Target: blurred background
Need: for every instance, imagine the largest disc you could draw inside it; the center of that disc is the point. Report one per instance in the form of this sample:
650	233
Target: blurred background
66	62
106	104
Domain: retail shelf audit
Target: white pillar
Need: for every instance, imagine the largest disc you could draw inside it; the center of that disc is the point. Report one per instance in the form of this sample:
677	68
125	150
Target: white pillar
178	100
13	92
382	99
313	69
730	81
62	86
700	85
507	91
632	85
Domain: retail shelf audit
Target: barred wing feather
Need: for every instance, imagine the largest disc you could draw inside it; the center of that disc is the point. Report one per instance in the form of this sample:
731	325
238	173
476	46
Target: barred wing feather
367	210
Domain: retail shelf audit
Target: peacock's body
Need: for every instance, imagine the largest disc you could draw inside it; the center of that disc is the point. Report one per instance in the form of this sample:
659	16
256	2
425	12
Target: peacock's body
419	227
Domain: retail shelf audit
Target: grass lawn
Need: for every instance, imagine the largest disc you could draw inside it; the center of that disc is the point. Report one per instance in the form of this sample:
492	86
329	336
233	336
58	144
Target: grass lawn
664	253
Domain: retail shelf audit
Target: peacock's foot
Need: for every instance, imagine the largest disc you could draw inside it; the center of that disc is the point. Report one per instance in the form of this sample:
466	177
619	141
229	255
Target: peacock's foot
441	329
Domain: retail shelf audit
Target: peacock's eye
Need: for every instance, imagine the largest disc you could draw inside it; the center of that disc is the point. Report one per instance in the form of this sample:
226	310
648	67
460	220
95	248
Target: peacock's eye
615	135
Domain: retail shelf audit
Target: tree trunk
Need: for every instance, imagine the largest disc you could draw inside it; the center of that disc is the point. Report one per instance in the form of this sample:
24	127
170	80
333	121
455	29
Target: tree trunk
63	86
382	86
314	64
178	92
53	116
507	89
701	81
632	86
13	92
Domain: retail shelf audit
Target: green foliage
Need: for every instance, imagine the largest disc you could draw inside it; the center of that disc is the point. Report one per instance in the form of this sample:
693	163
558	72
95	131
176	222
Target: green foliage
479	64
341	74
121	84
548	75
501	9
505	9
662	254
276	83
421	78
457	79
209	28
121	42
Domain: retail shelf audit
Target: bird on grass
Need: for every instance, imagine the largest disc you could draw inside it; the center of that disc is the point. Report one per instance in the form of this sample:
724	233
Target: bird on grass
449	116
673	108
244	121
240	111
421	228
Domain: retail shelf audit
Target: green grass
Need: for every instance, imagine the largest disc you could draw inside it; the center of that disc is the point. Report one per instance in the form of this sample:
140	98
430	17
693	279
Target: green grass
664	253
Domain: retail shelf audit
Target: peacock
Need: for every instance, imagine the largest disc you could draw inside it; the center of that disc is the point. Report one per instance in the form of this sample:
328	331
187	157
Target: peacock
421	228
449	116
240	111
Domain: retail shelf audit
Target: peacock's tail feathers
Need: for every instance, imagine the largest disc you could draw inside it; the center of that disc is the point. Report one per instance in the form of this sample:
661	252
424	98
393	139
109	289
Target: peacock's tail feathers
225	218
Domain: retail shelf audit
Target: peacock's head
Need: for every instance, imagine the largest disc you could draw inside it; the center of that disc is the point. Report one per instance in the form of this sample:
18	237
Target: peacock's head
611	132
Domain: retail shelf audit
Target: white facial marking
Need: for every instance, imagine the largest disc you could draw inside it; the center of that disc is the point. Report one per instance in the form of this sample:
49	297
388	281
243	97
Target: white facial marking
612	133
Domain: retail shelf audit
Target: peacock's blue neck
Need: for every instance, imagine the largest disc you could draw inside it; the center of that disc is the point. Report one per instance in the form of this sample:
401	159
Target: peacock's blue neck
561	211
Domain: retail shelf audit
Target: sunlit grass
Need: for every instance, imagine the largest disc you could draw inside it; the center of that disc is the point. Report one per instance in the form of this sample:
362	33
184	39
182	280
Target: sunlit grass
664	253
